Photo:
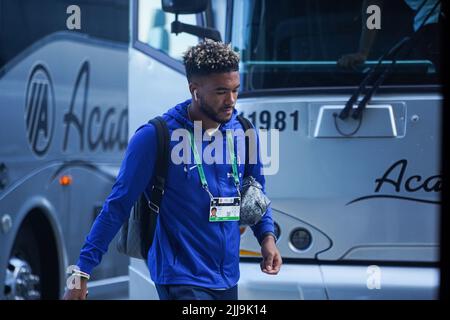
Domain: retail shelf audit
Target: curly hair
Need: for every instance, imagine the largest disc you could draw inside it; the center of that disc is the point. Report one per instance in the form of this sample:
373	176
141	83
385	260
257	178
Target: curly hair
210	57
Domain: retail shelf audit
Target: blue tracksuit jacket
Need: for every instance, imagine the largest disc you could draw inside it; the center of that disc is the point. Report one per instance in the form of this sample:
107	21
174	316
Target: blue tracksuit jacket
187	248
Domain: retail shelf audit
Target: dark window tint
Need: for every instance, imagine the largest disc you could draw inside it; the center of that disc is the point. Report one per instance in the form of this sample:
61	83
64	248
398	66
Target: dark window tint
23	22
295	43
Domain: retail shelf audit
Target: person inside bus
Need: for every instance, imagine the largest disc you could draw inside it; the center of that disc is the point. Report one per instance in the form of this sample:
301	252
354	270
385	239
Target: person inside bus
192	257
425	46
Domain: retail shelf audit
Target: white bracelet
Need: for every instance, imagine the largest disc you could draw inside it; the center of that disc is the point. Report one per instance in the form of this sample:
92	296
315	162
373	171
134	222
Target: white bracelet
81	274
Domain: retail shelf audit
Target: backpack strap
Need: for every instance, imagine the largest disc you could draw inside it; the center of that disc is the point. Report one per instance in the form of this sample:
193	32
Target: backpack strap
161	165
246	124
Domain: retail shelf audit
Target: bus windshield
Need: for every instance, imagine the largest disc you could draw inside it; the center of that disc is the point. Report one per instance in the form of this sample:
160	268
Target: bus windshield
321	43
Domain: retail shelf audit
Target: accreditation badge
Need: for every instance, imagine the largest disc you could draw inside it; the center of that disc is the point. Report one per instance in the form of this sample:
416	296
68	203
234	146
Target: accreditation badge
224	209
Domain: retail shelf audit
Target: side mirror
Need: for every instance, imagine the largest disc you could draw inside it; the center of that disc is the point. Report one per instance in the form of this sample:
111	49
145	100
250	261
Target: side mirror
184	7
189	7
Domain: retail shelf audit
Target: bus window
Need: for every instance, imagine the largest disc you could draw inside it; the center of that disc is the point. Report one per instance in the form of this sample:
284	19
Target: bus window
293	43
154	29
24	22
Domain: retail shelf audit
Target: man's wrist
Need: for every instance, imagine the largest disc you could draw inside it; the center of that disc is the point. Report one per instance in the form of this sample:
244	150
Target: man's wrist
81	274
270	235
82	279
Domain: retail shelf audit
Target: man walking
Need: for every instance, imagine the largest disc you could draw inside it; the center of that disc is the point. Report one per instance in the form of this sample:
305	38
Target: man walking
193	256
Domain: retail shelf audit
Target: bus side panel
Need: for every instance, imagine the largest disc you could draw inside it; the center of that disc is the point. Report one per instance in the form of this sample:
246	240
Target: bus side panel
67	116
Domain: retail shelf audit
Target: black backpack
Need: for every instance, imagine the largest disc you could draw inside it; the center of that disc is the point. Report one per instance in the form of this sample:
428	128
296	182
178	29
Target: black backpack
136	235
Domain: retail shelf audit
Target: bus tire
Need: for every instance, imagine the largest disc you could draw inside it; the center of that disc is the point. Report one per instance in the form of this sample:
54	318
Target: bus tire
23	272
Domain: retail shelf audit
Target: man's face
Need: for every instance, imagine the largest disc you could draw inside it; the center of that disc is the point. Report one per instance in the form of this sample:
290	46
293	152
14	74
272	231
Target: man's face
217	94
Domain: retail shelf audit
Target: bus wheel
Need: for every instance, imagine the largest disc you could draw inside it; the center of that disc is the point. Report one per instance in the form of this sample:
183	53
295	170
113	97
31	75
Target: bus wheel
23	270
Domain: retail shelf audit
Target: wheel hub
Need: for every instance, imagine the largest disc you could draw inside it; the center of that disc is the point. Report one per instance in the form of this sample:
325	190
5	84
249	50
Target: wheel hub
21	283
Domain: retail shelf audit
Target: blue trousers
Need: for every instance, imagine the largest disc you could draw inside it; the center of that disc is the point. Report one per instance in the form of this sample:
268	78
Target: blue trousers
188	292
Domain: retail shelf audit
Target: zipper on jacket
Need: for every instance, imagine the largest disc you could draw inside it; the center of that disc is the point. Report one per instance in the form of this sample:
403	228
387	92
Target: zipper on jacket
222	228
221	224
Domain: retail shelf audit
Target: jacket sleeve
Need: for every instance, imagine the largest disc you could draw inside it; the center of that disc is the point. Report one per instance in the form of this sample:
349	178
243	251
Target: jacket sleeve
134	175
265	225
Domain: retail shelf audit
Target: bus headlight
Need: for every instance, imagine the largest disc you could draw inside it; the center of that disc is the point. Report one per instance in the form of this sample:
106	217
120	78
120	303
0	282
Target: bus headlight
301	239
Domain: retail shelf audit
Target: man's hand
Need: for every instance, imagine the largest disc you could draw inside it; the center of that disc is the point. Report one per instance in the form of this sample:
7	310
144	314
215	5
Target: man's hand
271	263
77	294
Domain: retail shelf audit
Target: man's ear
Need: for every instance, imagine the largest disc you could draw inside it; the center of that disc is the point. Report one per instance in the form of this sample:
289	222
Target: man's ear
193	88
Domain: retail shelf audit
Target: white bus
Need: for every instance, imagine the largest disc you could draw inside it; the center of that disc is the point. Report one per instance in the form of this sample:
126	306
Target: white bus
63	132
356	202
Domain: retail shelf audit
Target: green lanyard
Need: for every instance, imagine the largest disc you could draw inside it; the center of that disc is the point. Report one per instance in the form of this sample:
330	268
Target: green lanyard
230	143
198	161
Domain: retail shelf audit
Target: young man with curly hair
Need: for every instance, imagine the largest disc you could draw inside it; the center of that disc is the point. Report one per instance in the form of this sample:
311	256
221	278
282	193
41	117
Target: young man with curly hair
193	256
